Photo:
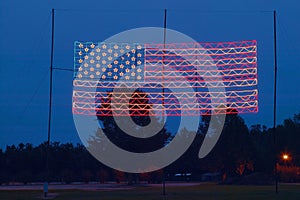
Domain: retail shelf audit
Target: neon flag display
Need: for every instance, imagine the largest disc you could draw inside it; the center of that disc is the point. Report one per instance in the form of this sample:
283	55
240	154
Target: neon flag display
157	69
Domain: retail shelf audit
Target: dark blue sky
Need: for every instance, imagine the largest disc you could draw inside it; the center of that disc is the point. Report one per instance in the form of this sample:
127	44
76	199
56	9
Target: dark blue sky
25	52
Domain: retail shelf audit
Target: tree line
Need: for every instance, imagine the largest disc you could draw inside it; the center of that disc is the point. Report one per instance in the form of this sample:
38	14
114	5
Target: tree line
239	152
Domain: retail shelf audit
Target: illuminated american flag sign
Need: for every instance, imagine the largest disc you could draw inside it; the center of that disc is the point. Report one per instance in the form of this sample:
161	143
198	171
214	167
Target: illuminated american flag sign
157	68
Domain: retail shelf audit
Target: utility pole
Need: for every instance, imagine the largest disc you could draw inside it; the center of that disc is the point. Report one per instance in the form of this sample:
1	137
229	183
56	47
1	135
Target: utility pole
163	95
275	101
50	107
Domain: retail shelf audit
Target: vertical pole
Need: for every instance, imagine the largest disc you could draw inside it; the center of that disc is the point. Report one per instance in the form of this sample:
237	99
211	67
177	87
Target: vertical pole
163	59
50	106
165	27
163	100
275	101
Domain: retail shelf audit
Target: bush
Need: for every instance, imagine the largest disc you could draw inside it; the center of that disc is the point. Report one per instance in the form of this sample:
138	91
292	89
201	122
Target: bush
289	173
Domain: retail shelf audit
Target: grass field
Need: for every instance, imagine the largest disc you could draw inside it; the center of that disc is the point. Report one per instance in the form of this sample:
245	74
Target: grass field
200	192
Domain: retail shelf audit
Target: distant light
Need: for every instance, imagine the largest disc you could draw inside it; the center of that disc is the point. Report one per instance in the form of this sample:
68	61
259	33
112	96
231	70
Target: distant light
285	157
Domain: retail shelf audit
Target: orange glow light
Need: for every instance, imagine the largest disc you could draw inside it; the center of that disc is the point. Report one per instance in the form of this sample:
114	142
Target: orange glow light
285	157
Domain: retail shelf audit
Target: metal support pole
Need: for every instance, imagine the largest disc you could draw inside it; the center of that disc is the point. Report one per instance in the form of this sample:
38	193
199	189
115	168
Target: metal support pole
50	107
275	102
163	100
163	60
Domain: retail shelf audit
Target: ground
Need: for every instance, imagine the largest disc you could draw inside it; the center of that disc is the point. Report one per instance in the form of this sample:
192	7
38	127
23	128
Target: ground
194	191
